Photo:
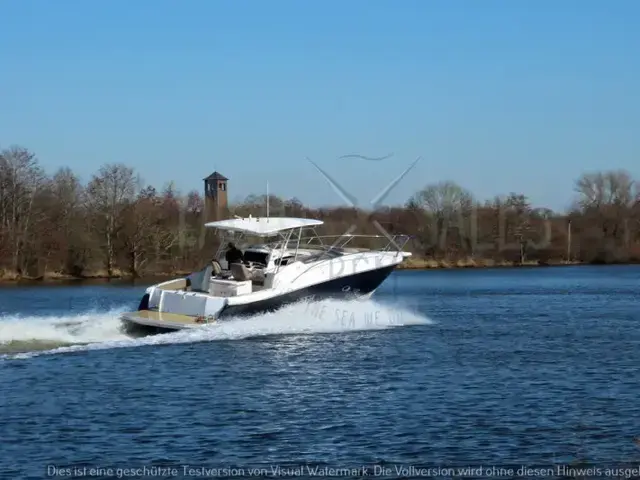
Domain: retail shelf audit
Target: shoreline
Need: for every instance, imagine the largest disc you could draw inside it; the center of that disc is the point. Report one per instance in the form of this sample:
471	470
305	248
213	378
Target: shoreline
411	264
475	263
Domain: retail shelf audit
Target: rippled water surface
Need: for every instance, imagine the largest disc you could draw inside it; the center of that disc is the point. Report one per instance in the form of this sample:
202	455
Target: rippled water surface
440	368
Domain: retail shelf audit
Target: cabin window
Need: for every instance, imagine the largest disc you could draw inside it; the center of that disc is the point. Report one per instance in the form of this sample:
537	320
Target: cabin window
222	187
283	261
255	257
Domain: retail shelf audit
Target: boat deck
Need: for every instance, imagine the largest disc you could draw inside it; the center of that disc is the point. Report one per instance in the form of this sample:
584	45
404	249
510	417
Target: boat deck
165	319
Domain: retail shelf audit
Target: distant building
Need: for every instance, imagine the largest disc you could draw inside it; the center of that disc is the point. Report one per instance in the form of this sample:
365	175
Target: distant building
216	204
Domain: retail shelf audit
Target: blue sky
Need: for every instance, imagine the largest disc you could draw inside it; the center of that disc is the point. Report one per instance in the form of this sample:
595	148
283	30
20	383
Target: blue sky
497	96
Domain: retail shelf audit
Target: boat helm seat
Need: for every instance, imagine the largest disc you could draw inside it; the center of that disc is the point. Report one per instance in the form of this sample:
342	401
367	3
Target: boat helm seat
199	281
217	269
240	272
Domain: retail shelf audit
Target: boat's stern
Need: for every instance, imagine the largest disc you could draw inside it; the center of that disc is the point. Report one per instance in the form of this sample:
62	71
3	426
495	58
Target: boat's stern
149	321
168	309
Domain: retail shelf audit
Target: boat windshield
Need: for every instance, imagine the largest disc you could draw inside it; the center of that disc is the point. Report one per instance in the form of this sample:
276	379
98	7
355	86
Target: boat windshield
255	257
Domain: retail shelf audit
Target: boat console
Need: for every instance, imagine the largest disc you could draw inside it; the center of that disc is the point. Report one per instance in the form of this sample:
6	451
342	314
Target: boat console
229	288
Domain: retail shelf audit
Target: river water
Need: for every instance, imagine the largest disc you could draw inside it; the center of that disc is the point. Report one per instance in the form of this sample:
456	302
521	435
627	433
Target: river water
493	369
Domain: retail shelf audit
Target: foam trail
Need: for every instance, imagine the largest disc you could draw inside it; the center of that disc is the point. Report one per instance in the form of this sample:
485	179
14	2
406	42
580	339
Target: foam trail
327	316
33	332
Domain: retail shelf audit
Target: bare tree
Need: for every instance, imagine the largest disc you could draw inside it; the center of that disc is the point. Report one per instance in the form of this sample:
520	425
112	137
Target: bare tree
606	201
139	217
448	205
256	205
615	187
515	223
66	243
293	207
107	193
21	179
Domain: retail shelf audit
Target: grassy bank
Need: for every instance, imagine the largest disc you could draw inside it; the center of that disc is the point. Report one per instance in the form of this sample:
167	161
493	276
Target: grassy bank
8	277
416	263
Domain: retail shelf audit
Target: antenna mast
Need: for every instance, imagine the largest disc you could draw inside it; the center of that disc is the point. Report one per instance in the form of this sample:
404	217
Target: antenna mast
267	199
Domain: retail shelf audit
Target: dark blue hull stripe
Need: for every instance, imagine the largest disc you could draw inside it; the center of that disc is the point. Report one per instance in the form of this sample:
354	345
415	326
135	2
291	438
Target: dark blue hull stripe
342	287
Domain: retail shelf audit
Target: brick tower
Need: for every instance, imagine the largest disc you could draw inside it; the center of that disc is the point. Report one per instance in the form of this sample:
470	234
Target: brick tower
216	206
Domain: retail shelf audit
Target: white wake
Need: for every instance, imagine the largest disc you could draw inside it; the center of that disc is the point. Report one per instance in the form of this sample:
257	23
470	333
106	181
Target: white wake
24	337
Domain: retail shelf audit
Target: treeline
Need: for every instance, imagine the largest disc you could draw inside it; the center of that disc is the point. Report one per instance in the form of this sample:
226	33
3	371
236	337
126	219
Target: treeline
115	225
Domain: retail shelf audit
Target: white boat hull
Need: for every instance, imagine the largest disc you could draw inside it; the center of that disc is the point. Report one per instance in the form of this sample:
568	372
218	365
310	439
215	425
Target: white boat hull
167	310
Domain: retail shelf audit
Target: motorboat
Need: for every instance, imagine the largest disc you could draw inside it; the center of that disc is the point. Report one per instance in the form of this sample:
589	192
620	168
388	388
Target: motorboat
289	263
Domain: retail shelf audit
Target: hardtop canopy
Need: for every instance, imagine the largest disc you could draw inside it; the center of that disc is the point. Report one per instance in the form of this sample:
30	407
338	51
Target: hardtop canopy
263	226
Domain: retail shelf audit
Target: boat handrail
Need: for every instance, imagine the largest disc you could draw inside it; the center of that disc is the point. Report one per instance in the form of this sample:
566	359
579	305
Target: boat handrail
290	242
339	242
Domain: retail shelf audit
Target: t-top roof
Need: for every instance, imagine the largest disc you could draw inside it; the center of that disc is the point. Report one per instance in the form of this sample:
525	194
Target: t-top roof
263	226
